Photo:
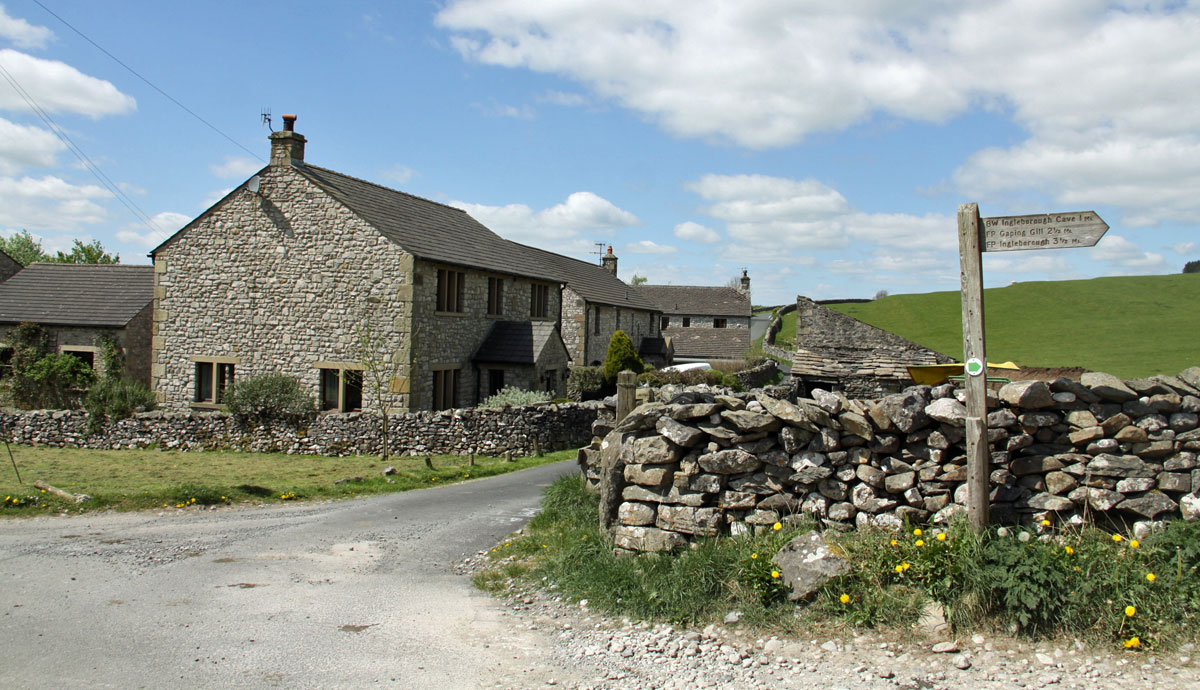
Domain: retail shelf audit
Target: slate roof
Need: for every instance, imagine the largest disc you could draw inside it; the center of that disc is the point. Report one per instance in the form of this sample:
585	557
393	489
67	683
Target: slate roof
701	300
515	342
594	283
708	343
424	228
107	295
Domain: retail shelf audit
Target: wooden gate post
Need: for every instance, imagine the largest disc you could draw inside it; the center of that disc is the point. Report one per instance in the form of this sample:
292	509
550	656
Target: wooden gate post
626	382
970	256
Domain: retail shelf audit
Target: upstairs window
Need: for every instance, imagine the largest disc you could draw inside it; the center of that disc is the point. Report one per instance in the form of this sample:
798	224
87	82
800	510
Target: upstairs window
665	322
495	306
539	300
450	290
718	323
687	321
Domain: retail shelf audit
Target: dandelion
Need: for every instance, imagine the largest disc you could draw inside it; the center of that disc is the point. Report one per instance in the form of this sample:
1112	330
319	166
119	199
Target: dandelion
907	565
899	569
754	557
1130	611
774	573
845	598
917	532
1133	643
1069	550
894	542
776	526
1134	543
1045	523
1151	577
1116	538
941	537
920	542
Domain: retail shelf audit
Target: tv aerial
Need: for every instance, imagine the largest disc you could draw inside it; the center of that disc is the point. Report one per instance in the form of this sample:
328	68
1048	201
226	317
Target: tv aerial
266	118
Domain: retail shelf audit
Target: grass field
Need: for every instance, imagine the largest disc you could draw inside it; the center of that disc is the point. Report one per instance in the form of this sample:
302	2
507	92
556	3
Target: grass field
141	479
1129	326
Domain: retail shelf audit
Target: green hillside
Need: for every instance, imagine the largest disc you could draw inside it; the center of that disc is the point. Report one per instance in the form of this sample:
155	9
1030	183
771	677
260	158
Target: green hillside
1130	326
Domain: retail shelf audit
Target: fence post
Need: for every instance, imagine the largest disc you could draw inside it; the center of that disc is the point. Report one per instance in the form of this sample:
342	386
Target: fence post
626	382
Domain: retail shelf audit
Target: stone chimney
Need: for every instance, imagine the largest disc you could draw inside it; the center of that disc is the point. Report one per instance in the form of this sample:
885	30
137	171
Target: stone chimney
745	283
609	261
287	145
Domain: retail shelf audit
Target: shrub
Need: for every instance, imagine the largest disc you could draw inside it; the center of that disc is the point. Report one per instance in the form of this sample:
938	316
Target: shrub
621	356
515	397
269	397
53	382
694	377
585	383
115	398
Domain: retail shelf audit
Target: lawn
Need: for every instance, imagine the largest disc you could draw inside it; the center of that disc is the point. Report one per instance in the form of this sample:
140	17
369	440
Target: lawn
142	479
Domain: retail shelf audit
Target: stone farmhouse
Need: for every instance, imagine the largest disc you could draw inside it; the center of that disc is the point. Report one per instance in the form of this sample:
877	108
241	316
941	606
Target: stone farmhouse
703	323
76	303
840	353
290	270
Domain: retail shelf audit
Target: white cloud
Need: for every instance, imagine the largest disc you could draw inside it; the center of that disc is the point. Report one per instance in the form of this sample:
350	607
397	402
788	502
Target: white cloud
23	146
22	33
235	167
523	112
1184	248
563	98
49	203
1047	264
142	237
58	87
1127	256
694	232
559	227
649	247
398	174
215	196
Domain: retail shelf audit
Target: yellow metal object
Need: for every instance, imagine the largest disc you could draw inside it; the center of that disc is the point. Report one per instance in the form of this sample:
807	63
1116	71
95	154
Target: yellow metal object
933	374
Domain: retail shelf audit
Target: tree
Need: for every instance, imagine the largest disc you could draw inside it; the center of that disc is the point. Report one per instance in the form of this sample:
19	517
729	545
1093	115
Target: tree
638	280
881	294
621	356
23	248
383	362
1192	267
91	253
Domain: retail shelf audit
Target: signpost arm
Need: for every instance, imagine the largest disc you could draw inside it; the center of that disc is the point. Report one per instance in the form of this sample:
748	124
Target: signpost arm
970	248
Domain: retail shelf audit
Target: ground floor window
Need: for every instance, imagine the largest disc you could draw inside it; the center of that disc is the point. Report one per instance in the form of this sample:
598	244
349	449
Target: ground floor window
212	378
550	380
340	388
88	357
687	322
719	323
445	389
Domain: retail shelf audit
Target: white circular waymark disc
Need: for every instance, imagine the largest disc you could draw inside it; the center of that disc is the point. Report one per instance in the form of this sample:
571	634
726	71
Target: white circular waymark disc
974	367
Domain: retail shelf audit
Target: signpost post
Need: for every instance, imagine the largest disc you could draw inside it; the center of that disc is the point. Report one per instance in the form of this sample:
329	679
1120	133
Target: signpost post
1001	234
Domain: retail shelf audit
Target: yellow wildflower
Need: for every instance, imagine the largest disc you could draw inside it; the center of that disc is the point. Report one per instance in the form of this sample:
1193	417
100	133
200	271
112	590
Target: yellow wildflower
845	598
1133	643
1069	550
1151	577
774	573
754	556
917	532
899	568
1045	523
1116	537
894	542
776	526
920	542
1130	611
941	537
1134	543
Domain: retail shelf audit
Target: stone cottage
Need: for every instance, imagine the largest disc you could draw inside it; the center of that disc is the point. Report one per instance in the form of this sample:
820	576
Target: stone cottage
596	304
77	303
840	353
703	323
9	266
300	268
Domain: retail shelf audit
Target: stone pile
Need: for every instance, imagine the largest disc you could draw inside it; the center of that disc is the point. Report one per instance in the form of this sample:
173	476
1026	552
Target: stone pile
703	464
521	430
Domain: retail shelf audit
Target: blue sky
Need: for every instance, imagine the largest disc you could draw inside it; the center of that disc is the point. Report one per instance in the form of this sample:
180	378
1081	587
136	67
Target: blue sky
822	146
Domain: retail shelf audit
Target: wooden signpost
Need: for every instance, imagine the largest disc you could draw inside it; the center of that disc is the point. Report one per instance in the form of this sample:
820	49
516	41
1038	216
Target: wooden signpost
1001	234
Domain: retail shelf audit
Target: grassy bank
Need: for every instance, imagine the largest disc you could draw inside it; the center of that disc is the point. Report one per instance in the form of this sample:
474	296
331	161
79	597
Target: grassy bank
1128	326
1047	582
141	479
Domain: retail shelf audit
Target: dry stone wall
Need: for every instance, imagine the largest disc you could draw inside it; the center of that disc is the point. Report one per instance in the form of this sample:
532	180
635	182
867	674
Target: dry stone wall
702	465
450	432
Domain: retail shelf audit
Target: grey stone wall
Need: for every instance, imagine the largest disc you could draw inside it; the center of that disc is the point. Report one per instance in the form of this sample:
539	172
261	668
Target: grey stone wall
277	281
484	432
1070	452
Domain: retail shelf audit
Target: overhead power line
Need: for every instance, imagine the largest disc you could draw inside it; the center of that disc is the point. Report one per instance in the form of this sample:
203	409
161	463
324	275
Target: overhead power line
149	83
